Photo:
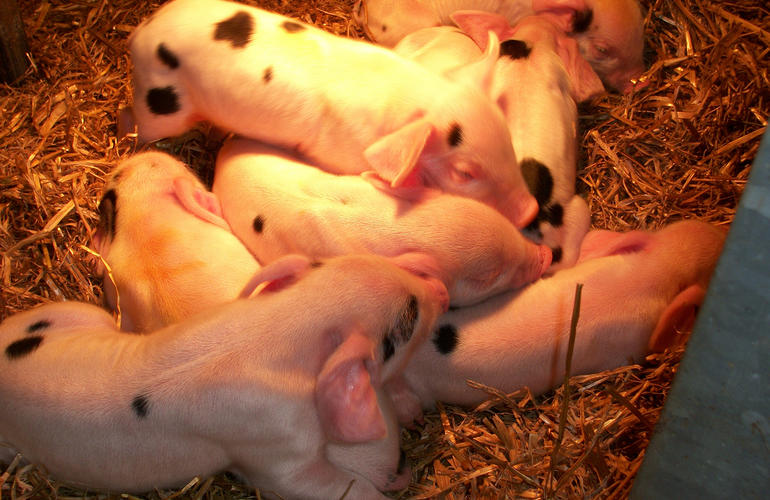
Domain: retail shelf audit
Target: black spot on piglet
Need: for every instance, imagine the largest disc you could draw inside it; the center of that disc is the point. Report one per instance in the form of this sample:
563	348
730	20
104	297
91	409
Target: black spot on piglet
23	347
388	349
553	214
402	329
538	179
237	29
259	223
515	49
556	255
445	338
292	27
38	325
108	213
455	136
167	57
407	320
582	20
163	100
267	75
141	405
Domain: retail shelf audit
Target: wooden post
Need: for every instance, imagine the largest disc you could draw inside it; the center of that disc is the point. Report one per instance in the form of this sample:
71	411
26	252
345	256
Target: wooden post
13	42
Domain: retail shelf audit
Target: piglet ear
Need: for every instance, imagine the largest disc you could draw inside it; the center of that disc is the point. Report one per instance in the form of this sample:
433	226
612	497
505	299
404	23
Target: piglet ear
394	157
585	82
560	12
477	25
199	202
678	316
603	243
479	74
277	274
412	190
345	397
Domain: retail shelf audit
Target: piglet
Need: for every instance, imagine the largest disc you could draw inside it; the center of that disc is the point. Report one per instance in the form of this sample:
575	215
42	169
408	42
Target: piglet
277	205
536	82
639	289
388	21
283	388
168	251
610	33
348	105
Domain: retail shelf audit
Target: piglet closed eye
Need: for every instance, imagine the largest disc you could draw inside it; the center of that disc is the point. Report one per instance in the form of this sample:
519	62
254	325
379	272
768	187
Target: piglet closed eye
278	205
236	62
535	84
117	411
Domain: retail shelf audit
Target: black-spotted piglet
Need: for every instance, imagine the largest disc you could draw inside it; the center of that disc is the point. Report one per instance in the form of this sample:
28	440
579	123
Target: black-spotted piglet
535	82
348	105
281	388
639	289
278	205
169	251
609	33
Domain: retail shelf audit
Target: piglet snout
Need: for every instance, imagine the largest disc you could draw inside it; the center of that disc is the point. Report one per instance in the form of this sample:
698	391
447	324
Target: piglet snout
535	264
437	291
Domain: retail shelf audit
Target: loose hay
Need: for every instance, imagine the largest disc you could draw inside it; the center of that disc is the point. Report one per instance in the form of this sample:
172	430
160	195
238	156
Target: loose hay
681	147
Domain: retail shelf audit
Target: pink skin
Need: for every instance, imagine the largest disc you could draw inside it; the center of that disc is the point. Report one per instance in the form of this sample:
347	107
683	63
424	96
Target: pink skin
639	290
388	21
612	44
172	254
475	252
307	92
537	96
304	417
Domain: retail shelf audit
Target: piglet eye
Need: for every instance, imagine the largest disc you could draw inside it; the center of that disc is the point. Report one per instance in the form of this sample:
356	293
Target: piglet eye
462	173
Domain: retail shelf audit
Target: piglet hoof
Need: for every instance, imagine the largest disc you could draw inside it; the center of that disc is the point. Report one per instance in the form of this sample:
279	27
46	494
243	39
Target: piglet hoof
126	122
406	404
400	480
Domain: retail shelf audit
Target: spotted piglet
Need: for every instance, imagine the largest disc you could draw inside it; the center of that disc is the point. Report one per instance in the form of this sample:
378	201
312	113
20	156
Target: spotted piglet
388	21
277	205
609	33
168	251
348	105
639	289
535	83
283	388
539	78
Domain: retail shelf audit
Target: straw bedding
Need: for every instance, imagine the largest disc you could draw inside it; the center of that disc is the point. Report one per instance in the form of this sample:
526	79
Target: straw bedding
682	147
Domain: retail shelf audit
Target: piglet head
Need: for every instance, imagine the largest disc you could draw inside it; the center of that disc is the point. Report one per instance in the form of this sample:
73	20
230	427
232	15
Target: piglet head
610	34
685	254
145	180
141	191
381	313
463	147
387	21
